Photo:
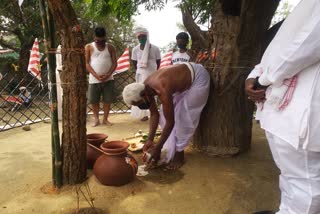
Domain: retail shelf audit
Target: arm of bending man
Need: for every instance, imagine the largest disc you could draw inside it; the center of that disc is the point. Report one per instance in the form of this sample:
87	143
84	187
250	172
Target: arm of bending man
168	111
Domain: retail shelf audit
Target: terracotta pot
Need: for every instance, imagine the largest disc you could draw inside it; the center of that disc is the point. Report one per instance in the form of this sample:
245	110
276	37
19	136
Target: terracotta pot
95	139
116	167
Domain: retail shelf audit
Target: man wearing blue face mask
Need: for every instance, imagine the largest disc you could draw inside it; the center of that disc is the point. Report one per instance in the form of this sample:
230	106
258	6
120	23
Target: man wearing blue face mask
146	60
181	55
101	61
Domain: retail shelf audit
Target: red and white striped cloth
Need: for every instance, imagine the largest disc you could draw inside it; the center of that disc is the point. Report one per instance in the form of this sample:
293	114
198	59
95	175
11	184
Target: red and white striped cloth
282	95
12	99
34	61
291	85
123	62
166	59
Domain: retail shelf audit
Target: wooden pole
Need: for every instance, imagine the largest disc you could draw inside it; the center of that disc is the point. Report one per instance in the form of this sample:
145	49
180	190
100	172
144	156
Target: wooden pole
49	35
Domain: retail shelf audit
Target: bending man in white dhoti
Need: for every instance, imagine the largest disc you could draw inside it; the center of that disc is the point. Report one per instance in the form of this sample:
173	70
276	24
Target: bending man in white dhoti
286	86
183	90
145	61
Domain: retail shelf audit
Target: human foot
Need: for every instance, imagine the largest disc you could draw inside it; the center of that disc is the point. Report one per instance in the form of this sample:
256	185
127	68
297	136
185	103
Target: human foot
96	123
145	118
108	123
177	162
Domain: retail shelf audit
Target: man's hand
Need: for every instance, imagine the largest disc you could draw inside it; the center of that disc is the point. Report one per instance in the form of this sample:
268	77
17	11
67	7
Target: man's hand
104	77
255	95
154	157
148	146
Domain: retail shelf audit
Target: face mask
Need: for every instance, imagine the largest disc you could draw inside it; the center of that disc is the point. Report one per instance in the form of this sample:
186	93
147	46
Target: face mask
144	106
142	41
182	46
101	42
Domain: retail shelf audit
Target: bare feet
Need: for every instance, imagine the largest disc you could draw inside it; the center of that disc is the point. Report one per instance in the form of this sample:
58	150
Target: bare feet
145	118
177	162
107	122
96	123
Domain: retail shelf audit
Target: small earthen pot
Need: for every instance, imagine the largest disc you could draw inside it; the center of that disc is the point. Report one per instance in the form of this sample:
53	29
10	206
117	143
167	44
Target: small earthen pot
95	139
116	167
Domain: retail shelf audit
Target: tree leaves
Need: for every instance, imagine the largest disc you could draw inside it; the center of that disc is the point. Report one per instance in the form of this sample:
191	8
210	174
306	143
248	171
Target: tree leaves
199	9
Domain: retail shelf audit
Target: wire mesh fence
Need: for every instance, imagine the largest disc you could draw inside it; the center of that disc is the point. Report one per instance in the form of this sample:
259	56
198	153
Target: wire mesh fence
25	100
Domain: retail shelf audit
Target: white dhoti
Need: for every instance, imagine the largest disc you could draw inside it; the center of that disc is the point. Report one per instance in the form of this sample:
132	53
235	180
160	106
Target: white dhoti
136	112
188	106
299	180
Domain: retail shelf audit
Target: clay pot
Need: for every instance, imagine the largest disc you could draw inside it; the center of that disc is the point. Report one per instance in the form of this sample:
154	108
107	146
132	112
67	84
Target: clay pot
95	139
116	167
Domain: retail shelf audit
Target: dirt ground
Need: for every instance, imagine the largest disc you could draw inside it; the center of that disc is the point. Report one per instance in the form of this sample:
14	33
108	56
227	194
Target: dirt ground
205	185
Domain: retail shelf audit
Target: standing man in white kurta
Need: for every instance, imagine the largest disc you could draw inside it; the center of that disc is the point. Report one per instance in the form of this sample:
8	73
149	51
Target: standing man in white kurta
146	60
101	61
286	87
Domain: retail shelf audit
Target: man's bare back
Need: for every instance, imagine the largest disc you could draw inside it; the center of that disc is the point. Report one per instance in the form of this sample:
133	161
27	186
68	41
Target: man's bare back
169	80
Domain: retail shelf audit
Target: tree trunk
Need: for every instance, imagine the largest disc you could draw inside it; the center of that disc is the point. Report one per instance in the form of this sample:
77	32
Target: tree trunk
226	122
23	63
74	85
199	38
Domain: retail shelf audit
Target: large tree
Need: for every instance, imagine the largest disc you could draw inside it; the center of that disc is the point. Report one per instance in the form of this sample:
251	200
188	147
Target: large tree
73	77
238	33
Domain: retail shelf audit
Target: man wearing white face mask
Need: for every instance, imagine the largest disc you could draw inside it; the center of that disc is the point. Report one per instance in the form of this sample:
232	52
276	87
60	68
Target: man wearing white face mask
146	60
286	88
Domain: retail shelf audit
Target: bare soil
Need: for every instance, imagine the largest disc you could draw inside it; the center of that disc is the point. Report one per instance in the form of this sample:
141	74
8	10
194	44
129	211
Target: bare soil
208	185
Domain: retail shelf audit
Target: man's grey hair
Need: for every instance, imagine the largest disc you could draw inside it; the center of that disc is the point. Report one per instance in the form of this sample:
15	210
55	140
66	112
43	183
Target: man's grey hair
131	93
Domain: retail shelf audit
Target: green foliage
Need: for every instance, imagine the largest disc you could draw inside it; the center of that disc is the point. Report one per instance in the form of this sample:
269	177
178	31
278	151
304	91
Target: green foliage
199	9
152	4
119	32
123	10
24	24
98	9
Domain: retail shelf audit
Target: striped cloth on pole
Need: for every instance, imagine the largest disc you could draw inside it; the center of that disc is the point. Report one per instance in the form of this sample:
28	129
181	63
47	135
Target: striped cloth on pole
166	59
34	61
123	62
